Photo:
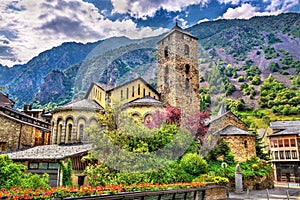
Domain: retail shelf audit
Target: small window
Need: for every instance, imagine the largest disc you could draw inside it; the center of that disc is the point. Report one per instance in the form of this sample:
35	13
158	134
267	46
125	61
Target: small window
166	51
245	144
53	166
139	89
281	154
293	142
121	94
132	91
287	154
286	143
3	146
43	165
187	69
294	154
276	155
33	165
144	92
186	50
127	93
280	143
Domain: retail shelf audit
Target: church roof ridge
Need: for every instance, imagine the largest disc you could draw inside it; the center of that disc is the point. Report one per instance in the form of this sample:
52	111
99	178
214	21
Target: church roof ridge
178	29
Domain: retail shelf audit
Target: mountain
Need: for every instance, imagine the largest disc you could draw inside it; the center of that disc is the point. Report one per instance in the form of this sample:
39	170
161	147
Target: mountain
236	49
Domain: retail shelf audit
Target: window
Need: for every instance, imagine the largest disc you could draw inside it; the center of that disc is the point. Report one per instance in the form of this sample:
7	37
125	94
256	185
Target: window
280	143
286	143
275	143
132	91
53	166
293	142
127	93
245	144
144	92
43	165
139	89
187	69
121	94
166	51
276	155
186	50
33	165
294	154
81	127
3	146
281	154
149	94
287	154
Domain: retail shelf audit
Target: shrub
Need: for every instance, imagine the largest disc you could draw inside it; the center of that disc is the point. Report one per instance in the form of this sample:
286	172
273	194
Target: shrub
193	164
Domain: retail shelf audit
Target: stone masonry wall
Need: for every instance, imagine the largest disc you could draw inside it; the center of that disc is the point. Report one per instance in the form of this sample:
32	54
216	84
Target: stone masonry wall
242	146
178	74
15	134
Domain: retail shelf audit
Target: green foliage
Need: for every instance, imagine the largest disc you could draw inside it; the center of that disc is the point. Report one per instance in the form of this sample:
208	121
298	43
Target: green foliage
252	71
241	79
235	106
223	150
270	52
274	67
12	175
211	178
66	173
255	167
205	99
193	164
280	99
256	80
273	39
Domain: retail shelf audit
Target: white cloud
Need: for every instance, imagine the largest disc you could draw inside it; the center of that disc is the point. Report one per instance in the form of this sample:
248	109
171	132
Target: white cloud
246	11
29	27
145	8
233	2
202	20
280	5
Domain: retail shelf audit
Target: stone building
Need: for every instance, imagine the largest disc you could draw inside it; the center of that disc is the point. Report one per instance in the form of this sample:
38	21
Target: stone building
234	131
284	143
21	131
178	74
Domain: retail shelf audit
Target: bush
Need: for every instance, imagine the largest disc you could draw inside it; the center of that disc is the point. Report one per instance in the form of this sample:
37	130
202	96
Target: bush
194	164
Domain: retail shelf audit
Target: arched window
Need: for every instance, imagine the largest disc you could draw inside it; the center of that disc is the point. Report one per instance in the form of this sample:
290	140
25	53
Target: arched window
69	133
59	130
166	51
187	69
186	50
245	144
81	127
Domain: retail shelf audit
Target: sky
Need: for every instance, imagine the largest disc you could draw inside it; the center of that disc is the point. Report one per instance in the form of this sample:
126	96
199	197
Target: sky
29	27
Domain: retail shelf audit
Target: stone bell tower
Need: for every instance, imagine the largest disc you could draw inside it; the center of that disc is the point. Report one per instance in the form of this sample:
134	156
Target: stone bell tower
178	74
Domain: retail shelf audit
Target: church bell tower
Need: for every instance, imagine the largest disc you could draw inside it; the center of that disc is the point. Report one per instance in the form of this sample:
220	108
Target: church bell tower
178	74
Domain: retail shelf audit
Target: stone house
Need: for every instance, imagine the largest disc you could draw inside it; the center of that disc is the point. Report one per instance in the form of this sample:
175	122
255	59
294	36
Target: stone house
284	143
21	131
234	131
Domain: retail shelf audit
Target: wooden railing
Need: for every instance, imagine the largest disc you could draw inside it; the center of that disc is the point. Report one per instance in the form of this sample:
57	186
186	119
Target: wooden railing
219	192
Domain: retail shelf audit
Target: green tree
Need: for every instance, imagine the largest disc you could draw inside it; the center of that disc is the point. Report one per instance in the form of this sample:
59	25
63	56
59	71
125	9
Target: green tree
12	175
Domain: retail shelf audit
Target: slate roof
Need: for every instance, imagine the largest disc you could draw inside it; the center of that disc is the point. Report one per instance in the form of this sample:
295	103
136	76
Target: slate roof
21	118
85	104
144	101
50	152
284	124
179	29
233	130
289	131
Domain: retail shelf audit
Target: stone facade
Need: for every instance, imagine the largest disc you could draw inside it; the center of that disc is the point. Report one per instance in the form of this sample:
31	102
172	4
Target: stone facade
242	146
16	134
178	74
